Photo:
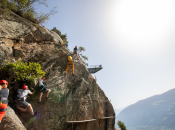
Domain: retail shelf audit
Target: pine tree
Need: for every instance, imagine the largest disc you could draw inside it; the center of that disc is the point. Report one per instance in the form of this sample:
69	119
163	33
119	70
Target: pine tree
82	57
121	125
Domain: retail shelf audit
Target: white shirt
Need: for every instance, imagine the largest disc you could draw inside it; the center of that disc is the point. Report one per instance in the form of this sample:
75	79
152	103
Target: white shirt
25	93
41	82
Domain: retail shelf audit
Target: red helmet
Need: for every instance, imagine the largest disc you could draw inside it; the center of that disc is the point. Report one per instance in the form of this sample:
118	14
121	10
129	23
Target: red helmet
3	82
44	78
25	87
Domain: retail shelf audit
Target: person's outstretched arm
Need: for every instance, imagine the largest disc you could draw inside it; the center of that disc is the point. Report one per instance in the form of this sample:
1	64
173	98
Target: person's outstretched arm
31	93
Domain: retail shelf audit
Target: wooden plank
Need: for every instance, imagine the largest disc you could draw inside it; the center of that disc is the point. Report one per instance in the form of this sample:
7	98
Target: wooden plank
88	99
80	121
89	120
106	117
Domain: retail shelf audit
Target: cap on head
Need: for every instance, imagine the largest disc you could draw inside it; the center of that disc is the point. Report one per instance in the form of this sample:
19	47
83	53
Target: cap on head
25	87
3	82
43	78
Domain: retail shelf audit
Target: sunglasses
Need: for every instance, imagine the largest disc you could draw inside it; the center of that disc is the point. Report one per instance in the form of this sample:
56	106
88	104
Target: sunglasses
5	83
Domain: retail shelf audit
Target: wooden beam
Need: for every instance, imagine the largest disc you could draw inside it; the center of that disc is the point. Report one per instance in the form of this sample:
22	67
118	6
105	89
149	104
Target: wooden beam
89	120
80	121
106	117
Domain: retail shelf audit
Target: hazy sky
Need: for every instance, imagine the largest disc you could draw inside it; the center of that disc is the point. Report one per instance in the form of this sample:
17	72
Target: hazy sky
132	39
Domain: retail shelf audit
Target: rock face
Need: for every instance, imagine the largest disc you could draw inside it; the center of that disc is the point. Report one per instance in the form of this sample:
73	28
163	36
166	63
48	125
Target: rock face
73	98
11	121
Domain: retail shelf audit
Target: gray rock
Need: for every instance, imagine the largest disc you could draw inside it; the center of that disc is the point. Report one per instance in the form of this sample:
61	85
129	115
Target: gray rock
18	53
11	122
57	39
15	27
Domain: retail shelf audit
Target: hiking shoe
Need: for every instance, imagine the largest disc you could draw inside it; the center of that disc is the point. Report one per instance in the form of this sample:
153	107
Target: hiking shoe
73	74
48	98
35	114
40	102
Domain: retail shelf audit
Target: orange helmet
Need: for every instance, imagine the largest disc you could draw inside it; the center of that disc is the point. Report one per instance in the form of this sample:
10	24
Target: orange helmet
3	82
25	87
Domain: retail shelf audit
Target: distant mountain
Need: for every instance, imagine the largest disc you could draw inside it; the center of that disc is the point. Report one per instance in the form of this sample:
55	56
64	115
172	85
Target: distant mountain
156	112
117	111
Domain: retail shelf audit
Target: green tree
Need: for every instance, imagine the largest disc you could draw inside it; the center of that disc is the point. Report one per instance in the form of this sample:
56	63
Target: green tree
82	57
63	36
42	18
26	9
121	125
23	71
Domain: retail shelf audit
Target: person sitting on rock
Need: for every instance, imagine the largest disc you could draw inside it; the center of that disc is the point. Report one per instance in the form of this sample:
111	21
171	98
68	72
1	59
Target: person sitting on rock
4	93
43	89
19	97
70	63
75	52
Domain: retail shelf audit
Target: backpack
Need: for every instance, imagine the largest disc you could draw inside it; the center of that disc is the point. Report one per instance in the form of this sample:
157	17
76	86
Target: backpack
17	94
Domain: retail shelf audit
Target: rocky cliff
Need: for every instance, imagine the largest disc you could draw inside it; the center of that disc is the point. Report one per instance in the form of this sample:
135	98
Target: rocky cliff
73	98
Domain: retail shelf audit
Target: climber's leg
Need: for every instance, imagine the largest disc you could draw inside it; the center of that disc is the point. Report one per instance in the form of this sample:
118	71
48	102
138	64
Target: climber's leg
40	96
72	66
67	68
22	109
21	105
48	91
30	109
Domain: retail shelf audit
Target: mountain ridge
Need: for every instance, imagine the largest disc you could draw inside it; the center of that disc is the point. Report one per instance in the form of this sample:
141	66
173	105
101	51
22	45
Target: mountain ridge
157	110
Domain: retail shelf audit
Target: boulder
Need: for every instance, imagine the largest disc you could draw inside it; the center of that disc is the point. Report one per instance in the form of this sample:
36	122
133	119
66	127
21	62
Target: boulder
11	121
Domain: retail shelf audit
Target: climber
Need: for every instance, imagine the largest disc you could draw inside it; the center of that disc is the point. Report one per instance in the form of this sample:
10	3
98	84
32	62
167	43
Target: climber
66	45
4	93
75	52
19	97
70	62
43	89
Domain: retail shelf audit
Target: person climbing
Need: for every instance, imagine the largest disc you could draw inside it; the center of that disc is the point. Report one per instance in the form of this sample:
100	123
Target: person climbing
19	97
75	52
43	89
66	45
4	93
70	63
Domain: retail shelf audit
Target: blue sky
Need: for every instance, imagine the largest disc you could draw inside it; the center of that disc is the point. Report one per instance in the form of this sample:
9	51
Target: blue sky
133	40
